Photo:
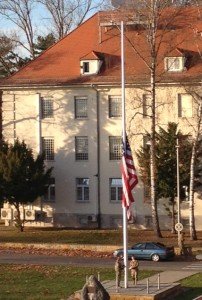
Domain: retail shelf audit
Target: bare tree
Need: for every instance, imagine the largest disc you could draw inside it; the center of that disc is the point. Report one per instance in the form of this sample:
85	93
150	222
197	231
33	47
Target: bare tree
19	12
194	165
192	173
67	14
151	20
158	23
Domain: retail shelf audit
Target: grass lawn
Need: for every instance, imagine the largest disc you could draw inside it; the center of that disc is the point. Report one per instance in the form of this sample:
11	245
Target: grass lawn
100	237
193	287
47	282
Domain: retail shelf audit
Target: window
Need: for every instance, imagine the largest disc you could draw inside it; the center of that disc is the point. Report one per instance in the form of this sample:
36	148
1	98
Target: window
174	64
115	148
148	221
81	147
81	109
151	246
147	112
48	148
185	109
47	108
50	194
115	109
139	246
86	68
115	189
82	189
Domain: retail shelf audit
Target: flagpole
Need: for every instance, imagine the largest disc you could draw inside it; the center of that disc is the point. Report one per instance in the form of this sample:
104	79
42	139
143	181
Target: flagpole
125	221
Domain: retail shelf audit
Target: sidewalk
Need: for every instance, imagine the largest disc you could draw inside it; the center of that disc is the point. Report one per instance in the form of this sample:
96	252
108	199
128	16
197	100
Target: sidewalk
149	288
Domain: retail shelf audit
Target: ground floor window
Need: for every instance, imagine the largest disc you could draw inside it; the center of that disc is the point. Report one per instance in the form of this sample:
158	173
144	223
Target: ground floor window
50	194
115	189
82	189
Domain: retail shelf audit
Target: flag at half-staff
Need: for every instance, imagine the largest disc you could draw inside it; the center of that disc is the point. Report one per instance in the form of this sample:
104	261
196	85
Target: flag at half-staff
129	177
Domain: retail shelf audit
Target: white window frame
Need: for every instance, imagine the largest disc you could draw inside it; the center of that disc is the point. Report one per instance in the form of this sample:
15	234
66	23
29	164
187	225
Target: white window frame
185	112
46	108
50	195
81	148
48	148
115	148
117	186
83	187
115	107
81	112
170	64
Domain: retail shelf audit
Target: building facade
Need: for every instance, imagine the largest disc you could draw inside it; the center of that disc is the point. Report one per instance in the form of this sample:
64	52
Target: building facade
67	103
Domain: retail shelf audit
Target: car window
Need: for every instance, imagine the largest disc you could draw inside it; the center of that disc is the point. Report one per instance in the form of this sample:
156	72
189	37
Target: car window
160	245
151	246
139	246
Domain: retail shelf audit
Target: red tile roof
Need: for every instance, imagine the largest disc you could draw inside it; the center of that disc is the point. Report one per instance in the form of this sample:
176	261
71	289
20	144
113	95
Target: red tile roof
90	56
60	64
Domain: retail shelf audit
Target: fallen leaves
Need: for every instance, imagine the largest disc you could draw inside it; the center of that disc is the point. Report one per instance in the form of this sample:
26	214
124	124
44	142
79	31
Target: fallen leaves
58	252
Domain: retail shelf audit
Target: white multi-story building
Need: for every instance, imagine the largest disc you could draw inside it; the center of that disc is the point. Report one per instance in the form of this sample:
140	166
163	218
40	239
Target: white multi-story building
67	103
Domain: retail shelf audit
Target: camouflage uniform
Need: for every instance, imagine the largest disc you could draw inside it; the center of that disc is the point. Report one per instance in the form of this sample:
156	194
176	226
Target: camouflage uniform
134	269
119	266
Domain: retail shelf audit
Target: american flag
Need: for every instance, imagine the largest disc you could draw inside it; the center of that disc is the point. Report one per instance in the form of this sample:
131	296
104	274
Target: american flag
129	177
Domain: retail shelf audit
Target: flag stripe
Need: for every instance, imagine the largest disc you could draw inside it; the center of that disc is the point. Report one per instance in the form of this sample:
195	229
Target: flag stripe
129	177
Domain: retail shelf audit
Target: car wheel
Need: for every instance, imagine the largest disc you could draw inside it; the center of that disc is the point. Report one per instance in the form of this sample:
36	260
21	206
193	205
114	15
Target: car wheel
155	257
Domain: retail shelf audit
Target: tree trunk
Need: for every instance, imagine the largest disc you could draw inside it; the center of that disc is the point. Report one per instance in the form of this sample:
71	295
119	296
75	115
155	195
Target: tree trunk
193	235
155	218
18	221
191	194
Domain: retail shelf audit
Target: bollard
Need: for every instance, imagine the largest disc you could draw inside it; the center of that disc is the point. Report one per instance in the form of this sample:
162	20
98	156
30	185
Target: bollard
158	281
98	276
147	285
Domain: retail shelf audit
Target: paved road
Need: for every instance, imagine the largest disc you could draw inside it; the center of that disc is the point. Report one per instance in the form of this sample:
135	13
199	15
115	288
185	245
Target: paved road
10	257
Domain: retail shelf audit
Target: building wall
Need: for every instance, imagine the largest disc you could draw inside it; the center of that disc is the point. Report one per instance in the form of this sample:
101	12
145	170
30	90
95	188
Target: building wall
22	119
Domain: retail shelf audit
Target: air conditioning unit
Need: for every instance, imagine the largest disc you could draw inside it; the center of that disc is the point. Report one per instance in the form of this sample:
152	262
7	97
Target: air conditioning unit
15	214
6	213
29	214
92	218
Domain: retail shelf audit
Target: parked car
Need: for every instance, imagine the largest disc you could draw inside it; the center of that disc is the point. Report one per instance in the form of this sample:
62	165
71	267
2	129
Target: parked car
148	250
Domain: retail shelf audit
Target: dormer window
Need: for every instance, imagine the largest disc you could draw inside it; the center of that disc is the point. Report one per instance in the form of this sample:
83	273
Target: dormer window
90	64
174	64
86	68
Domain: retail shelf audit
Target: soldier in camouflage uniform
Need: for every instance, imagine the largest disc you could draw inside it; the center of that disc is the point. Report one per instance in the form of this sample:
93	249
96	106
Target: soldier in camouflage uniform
119	266
134	269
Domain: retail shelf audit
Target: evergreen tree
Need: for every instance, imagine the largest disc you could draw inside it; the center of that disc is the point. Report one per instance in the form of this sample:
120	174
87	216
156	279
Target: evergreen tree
166	165
22	177
44	42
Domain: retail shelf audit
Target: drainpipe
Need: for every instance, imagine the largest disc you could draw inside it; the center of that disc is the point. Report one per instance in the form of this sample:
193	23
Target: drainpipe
39	130
99	223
